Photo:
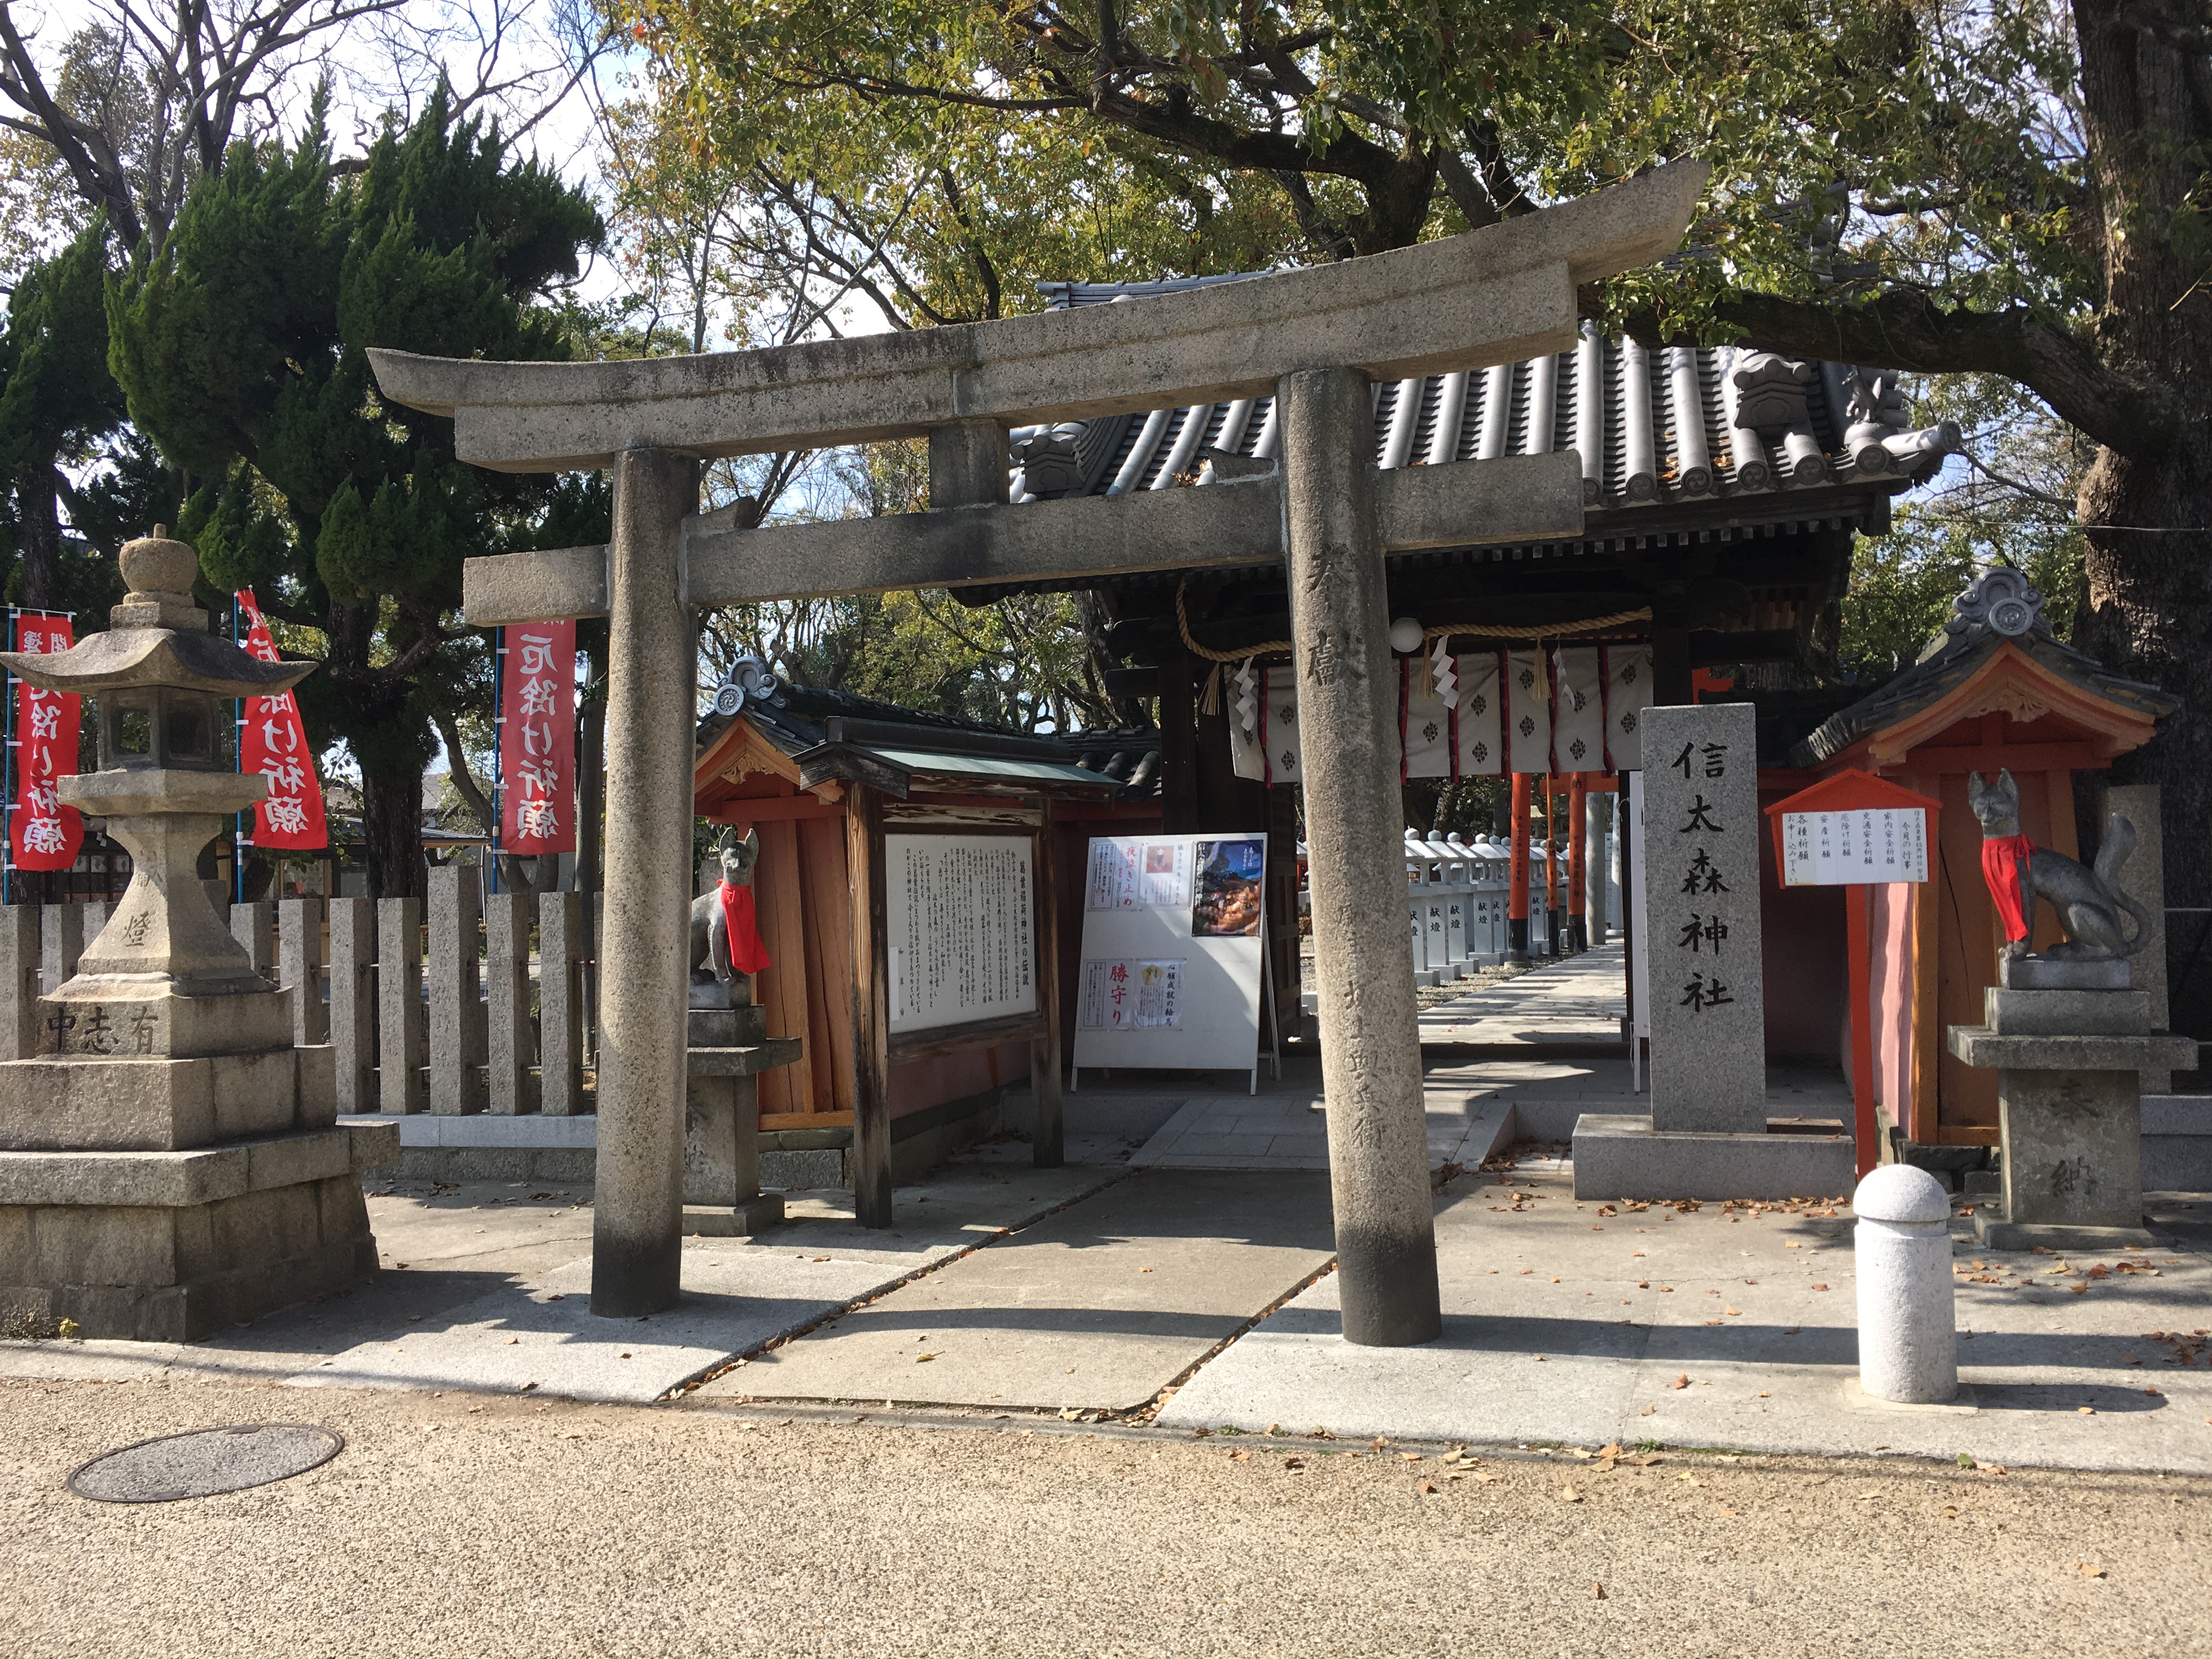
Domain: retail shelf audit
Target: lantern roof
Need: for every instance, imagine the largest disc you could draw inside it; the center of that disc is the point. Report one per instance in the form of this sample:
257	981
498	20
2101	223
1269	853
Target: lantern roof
123	658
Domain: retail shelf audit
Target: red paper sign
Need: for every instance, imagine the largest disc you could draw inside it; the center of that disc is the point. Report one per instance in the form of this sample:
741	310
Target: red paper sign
42	833
273	742
537	738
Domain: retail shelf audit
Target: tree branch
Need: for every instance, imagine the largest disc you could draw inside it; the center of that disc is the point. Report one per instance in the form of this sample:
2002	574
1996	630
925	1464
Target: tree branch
1904	329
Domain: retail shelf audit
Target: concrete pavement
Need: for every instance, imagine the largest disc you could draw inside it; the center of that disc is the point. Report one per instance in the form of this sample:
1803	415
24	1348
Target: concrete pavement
489	1526
1734	1326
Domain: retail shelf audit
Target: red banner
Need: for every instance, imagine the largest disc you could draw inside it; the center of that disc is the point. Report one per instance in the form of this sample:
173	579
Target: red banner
537	738
42	833
272	742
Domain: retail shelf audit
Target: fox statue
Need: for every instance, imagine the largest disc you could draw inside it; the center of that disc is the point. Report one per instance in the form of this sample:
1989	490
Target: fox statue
725	943
2088	900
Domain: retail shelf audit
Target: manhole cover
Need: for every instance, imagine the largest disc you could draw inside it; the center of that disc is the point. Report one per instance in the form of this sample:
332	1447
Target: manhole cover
205	1462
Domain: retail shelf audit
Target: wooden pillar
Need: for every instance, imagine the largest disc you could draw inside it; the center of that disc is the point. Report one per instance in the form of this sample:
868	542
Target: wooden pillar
1866	1133
1516	875
1046	1146
1670	666
1178	744
1577	855
871	1016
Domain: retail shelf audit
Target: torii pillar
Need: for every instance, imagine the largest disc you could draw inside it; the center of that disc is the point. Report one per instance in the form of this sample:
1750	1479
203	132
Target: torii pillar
1317	339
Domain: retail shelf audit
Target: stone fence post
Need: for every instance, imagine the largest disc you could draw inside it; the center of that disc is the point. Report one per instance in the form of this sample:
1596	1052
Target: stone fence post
456	1009
299	968
508	1084
353	1002
399	1005
19	981
560	1003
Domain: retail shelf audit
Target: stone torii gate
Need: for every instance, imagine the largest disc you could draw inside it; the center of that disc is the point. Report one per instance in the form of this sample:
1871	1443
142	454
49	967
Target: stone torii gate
1315	338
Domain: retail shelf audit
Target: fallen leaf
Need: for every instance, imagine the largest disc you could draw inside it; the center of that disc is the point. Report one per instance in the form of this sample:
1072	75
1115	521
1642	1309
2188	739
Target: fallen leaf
1411	1457
1643	1284
1611	1449
1735	1312
1990	1468
1296	1464
1425	1486
511	1341
1764	1395
1820	1287
1648	1410
1568	1495
1597	1592
1485	1477
923	1359
2086	1411
2089	1571
1682	1381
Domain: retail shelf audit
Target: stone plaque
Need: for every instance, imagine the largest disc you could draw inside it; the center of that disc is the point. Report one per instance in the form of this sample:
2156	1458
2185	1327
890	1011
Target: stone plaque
1701	830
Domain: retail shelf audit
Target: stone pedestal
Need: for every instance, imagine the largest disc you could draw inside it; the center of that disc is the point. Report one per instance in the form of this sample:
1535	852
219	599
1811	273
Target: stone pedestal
729	1049
170	1162
2069	1064
1707	1135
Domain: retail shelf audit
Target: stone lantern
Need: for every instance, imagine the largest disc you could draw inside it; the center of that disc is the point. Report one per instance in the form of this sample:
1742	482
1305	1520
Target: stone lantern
172	1163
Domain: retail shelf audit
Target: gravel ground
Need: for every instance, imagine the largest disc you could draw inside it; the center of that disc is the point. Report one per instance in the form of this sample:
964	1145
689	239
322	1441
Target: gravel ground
459	1525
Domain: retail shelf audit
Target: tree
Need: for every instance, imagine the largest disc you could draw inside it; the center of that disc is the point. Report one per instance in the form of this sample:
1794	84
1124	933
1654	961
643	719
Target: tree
57	401
2006	188
240	346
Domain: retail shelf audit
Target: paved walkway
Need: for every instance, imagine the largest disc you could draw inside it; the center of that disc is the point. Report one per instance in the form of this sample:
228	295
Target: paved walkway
1573	1001
1100	1306
1735	1327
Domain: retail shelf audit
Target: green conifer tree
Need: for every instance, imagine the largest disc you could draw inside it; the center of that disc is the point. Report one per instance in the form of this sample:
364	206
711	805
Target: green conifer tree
240	346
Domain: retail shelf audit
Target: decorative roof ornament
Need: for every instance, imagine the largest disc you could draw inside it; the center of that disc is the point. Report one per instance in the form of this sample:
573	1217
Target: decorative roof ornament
747	681
1770	392
2002	601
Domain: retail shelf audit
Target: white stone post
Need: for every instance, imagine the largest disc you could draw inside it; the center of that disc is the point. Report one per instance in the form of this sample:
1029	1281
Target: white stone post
1908	1335
637	1216
1379	1147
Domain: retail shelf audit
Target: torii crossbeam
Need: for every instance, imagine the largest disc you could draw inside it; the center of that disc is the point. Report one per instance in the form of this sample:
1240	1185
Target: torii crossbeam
1315	338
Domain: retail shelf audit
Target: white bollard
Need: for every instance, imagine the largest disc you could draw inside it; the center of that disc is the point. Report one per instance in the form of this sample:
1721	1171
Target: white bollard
1908	1334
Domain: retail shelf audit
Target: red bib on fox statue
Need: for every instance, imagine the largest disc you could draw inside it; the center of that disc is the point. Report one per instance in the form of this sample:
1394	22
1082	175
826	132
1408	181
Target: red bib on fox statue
2004	866
747	954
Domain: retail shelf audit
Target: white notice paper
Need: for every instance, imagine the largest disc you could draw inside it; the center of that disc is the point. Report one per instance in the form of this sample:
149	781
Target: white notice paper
1126	994
962	929
1873	845
1112	884
1166	879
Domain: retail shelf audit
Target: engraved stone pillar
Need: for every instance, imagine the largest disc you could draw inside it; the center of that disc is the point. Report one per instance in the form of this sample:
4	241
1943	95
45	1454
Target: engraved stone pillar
456	1008
638	1210
1702	829
299	968
1370	1043
399	1005
507	1082
353	1003
560	1003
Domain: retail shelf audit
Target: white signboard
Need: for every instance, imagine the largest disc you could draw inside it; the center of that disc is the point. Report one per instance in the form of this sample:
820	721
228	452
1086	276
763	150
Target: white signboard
962	929
1172	952
1835	849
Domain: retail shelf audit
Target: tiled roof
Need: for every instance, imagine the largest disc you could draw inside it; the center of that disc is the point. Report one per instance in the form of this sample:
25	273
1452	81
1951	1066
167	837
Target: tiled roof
1682	423
2000	607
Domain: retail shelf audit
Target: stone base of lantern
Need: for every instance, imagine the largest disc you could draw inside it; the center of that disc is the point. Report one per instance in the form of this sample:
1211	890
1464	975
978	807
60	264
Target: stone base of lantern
1620	1155
173	1246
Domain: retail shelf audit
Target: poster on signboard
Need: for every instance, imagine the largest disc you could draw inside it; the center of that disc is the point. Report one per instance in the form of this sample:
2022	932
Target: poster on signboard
1868	845
1173	953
